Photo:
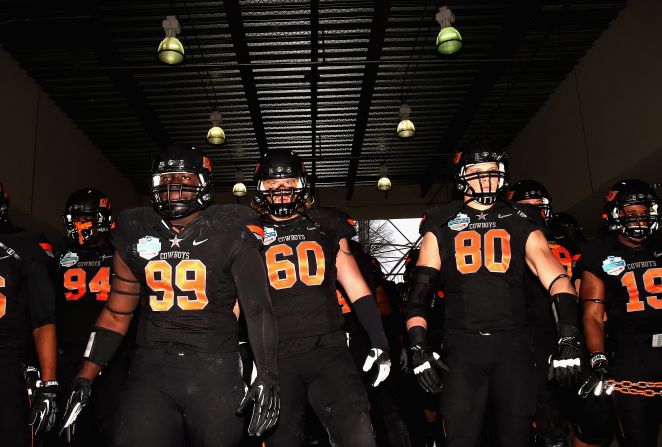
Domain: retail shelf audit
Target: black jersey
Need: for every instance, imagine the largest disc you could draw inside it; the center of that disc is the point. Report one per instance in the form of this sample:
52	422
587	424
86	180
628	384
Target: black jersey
27	296
188	291
482	263
84	280
300	255
633	284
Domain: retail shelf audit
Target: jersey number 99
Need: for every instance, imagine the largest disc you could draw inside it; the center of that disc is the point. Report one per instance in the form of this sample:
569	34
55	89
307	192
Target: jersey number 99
190	275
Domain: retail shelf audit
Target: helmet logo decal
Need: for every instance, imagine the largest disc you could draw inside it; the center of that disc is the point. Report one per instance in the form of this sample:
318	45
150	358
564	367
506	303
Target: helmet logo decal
611	195
456	159
206	163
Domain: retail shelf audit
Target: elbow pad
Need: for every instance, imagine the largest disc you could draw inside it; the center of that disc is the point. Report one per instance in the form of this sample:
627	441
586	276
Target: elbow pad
424	286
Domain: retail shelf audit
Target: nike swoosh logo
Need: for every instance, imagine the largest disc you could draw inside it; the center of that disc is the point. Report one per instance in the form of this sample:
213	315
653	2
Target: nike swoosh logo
311	228
5	257
501	216
657	255
199	242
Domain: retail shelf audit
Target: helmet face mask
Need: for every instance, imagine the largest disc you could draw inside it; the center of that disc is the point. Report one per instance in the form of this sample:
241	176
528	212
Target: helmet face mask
533	193
483	186
87	216
631	208
181	182
282	188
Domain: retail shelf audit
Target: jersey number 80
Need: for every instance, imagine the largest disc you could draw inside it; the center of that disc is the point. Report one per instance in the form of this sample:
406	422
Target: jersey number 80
473	251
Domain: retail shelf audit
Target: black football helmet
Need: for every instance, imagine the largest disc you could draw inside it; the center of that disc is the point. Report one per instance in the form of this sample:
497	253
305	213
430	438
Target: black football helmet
631	192
180	159
279	164
565	226
531	189
87	215
4	205
476	154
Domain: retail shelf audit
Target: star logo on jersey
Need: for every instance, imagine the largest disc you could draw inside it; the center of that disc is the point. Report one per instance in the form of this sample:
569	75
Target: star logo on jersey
174	241
482	216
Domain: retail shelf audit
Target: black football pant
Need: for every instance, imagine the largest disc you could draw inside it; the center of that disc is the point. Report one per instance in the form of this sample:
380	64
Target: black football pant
325	377
551	425
14	430
635	360
494	372
177	399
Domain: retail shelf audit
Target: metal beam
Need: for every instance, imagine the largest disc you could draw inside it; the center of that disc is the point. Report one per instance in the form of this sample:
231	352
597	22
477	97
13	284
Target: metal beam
508	40
375	45
239	41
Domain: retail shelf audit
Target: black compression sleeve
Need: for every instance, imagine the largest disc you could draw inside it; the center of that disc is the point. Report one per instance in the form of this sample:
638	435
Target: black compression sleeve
424	287
365	309
41	293
250	277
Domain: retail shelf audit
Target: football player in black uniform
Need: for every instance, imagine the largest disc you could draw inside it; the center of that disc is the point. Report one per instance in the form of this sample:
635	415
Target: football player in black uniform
306	250
483	247
27	303
622	280
191	261
550	429
84	272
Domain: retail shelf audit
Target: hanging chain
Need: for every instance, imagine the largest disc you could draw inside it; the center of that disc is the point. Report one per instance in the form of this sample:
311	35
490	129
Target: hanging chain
647	389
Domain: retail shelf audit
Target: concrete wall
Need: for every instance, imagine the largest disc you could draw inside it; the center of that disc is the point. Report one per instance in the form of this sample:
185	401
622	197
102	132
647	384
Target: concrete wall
604	122
45	156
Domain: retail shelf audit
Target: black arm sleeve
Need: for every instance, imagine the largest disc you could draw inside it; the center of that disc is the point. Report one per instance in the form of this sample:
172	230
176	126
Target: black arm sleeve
367	312
250	277
41	293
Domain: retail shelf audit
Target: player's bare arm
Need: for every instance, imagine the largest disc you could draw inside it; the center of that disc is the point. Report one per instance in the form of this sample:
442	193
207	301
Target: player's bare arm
113	321
592	295
45	342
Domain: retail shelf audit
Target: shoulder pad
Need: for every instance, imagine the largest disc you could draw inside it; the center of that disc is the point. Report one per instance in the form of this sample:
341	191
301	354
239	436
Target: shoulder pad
230	214
31	245
437	216
332	221
134	216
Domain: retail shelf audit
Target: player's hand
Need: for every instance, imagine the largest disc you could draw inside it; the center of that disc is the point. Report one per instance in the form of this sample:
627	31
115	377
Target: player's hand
598	382
565	363
43	410
78	398
427	366
379	363
265	395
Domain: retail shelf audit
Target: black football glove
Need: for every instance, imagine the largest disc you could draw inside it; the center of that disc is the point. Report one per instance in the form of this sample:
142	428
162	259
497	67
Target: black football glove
598	382
379	363
265	394
427	365
78	398
565	363
31	375
43	410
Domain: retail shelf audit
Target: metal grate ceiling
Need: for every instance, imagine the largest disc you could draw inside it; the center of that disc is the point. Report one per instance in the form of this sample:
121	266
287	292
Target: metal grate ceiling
325	78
